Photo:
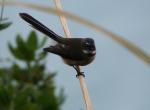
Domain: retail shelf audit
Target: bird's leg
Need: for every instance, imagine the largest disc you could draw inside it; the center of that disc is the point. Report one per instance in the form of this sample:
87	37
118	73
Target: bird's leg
78	71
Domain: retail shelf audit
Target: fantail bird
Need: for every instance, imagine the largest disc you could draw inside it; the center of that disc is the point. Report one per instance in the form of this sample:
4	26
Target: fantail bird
74	51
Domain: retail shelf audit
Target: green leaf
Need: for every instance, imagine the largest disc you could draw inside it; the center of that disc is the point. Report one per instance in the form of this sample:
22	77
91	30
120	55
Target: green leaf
23	48
32	106
15	52
42	42
32	41
16	72
21	45
5	95
42	56
61	96
4	25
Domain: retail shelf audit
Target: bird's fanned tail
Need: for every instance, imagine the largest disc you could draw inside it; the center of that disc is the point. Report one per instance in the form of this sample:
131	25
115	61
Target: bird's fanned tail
40	27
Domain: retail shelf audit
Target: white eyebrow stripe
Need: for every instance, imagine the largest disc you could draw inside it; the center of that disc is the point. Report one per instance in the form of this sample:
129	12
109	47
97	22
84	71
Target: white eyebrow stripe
85	51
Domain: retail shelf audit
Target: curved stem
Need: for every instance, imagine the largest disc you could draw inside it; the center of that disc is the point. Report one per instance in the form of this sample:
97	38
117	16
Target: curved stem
119	39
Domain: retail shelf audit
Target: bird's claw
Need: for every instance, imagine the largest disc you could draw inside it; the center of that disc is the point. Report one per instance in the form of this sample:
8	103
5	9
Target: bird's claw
81	73
78	72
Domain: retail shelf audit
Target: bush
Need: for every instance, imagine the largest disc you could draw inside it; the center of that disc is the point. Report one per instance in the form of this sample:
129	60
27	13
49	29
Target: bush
29	87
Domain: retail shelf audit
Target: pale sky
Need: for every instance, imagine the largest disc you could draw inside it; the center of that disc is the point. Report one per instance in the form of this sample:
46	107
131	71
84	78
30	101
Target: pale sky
117	80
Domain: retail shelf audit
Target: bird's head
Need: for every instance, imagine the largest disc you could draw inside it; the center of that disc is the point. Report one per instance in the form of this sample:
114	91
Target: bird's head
89	46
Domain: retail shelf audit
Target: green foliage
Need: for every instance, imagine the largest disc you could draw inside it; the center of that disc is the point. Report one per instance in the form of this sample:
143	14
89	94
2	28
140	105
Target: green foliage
32	41
29	87
4	24
26	50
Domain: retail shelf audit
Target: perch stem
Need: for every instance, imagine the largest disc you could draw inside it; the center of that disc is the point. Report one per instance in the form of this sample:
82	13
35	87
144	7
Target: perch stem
62	19
80	77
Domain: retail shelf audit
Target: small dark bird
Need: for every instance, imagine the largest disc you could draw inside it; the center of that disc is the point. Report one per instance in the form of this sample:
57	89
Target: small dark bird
74	51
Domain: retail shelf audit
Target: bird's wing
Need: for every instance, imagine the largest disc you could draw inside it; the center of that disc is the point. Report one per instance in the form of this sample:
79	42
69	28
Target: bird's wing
59	49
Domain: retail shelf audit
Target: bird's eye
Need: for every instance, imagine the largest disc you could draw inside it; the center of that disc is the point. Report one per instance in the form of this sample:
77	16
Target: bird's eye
87	44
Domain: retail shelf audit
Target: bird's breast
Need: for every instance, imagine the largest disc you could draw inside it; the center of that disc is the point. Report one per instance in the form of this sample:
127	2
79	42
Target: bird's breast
79	62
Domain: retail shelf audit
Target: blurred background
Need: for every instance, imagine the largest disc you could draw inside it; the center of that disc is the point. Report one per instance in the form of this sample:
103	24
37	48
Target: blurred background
117	79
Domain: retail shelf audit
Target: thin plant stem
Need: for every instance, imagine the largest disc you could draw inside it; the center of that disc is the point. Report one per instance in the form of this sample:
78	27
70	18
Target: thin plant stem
2	10
63	19
117	38
80	77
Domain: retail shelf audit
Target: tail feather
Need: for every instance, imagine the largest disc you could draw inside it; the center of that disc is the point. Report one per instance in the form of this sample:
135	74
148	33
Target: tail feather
40	27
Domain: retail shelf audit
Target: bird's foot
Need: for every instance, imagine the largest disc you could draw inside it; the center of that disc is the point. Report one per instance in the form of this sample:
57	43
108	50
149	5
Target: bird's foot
78	71
81	73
